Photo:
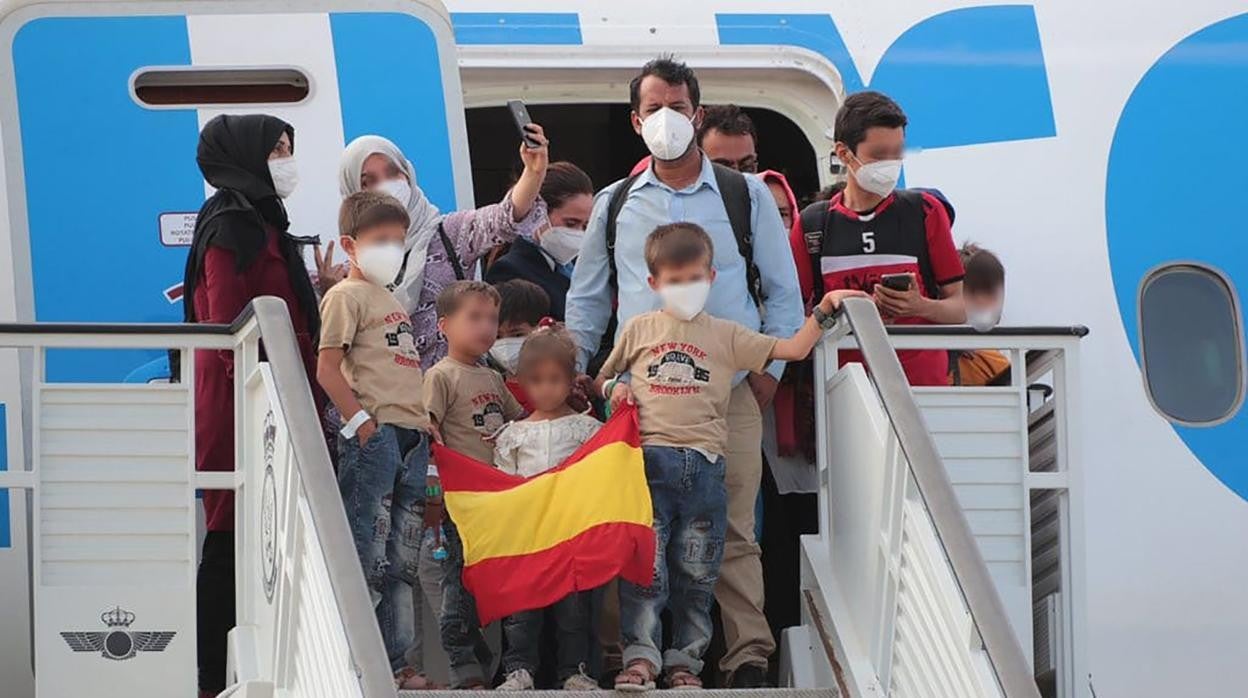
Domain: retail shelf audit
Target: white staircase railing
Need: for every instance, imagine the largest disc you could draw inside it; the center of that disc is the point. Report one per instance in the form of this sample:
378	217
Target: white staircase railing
897	594
113	540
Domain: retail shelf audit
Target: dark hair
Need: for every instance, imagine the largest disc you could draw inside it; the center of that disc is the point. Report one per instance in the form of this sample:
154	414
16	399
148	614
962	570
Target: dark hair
984	271
829	191
862	111
670	71
729	120
452	297
551	343
564	181
675	244
522	301
369	209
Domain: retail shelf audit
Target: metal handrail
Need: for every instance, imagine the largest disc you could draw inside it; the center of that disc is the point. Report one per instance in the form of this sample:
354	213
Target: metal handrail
988	614
320	487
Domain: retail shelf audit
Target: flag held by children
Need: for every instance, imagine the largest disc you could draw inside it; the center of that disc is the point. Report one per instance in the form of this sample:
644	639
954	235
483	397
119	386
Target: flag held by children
529	542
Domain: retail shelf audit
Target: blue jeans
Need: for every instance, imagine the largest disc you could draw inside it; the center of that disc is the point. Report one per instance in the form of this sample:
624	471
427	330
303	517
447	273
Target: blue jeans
524	636
460	625
690	522
383	490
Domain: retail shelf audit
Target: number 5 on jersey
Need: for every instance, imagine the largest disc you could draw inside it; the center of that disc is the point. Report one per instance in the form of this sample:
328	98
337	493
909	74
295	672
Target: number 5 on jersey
868	241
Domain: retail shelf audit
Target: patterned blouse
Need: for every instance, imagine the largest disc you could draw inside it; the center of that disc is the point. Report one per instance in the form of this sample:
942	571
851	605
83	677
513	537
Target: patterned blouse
474	233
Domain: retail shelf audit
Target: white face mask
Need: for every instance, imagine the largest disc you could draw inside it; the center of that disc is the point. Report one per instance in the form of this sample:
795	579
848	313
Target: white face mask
667	133
398	188
285	175
983	319
506	351
380	263
563	244
879	177
685	301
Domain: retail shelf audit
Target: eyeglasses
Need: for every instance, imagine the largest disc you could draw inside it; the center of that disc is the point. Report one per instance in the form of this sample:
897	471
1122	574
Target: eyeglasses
749	163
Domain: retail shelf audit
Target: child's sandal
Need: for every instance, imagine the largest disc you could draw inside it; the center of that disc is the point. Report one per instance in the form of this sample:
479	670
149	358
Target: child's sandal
680	678
637	677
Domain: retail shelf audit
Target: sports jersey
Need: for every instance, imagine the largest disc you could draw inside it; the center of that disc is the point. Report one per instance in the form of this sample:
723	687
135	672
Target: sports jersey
907	232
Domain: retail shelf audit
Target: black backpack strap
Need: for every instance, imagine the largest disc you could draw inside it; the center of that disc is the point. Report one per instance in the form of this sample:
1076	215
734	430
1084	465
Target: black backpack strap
814	220
451	255
618	197
914	198
735	192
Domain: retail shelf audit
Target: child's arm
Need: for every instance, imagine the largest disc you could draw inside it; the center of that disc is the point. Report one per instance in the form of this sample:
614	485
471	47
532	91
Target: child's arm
329	375
433	484
799	345
617	362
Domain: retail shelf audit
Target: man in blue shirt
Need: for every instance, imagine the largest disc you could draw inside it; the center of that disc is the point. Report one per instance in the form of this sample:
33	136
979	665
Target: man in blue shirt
680	185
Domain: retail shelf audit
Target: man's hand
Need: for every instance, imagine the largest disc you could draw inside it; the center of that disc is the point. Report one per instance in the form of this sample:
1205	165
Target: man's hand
366	431
582	388
764	386
535	159
908	303
328	273
621	392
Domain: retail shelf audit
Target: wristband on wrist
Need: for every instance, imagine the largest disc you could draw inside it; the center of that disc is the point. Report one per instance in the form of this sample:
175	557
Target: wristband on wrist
353	425
431	470
608	387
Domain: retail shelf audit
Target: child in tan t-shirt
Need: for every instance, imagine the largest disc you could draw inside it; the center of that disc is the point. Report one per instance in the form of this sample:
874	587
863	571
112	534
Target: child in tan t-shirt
468	405
369	367
680	364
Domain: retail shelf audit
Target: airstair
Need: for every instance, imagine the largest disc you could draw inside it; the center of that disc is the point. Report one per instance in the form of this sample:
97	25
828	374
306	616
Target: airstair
905	591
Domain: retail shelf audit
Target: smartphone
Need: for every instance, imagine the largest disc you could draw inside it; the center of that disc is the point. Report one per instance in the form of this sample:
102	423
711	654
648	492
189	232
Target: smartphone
520	114
897	282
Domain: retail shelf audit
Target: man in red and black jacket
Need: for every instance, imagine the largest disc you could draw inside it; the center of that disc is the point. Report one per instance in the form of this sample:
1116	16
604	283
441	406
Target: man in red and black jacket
872	230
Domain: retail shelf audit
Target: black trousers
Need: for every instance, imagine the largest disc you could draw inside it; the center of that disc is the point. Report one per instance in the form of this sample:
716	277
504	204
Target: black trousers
214	608
785	518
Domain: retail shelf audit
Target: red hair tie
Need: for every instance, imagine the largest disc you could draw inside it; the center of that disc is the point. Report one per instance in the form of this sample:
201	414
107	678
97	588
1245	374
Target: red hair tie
547	321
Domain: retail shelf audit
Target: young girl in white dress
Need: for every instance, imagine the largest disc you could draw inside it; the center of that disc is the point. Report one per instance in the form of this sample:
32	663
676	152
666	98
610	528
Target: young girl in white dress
546	370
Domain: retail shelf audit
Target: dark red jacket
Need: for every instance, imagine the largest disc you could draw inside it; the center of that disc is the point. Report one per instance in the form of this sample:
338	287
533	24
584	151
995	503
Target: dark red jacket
220	295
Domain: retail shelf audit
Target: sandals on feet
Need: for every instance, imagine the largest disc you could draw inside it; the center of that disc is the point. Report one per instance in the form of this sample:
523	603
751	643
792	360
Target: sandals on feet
637	677
408	679
680	678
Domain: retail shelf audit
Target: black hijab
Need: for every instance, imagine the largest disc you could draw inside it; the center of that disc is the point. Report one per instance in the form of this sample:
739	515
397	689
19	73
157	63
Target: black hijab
233	155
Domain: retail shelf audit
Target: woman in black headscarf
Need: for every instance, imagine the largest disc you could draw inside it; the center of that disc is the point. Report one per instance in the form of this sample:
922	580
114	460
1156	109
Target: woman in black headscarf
240	250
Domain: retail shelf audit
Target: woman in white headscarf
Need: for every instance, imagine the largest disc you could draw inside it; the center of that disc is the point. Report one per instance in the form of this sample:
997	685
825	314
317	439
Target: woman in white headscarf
373	162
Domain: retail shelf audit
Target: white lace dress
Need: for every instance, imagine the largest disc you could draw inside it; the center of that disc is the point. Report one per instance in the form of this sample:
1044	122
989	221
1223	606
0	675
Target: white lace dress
529	448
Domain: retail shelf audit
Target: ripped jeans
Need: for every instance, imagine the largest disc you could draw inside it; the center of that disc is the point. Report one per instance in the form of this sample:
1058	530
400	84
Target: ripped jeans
690	522
383	492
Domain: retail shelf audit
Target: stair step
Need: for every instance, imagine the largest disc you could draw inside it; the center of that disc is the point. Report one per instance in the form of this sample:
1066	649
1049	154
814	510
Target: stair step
709	693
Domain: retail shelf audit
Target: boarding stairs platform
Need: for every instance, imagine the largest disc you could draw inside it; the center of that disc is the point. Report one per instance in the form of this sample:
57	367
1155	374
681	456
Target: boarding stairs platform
948	562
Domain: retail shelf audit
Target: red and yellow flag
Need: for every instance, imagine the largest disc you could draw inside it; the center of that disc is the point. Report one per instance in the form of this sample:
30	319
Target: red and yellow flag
529	542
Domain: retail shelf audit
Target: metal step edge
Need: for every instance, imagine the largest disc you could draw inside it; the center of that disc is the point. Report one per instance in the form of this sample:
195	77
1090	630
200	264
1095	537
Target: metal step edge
707	693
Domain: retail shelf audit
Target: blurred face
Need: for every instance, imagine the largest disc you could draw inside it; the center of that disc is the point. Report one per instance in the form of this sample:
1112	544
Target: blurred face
692	272
880	143
384	234
514	328
654	93
283	149
732	151
574	213
987	301
547	383
472	328
782	203
377	169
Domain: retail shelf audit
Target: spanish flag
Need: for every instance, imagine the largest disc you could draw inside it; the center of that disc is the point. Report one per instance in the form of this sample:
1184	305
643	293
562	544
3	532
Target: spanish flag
529	542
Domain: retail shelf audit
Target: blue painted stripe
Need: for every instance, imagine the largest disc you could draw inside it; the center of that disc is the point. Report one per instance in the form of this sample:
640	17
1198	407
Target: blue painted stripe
6	536
964	77
95	249
517	28
407	106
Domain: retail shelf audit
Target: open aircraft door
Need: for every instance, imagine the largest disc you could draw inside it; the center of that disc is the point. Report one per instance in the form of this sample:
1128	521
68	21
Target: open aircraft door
101	109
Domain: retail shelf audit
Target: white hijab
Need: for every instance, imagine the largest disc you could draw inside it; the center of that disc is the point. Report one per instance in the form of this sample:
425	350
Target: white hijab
424	215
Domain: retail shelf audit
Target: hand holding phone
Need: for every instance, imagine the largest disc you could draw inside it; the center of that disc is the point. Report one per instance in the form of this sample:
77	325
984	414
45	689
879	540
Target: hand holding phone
897	282
520	114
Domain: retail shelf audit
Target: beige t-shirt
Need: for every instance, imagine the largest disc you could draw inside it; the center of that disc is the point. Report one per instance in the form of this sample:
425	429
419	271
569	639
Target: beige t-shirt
681	374
381	363
469	403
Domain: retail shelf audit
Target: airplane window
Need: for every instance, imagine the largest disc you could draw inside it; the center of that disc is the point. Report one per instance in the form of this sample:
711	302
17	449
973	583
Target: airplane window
1191	344
199	87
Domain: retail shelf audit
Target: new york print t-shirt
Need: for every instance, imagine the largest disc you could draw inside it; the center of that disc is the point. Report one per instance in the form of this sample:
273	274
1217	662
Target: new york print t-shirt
681	374
469	403
380	361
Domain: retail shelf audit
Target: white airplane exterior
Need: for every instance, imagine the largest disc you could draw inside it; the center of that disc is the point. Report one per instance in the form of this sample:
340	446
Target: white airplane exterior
1088	144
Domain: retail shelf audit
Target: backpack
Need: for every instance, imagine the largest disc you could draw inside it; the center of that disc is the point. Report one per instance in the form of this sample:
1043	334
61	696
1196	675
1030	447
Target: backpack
736	196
